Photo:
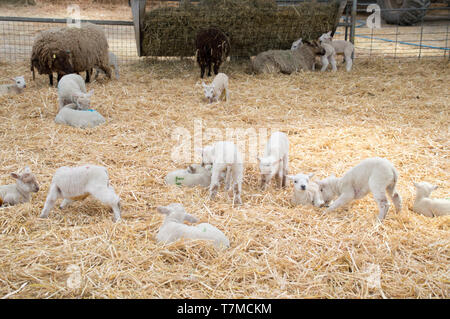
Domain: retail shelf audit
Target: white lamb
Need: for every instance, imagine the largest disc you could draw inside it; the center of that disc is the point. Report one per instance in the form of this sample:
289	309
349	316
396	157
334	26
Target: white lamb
341	47
112	59
173	227
296	44
276	159
329	57
194	175
16	88
77	183
427	206
217	89
306	192
224	157
376	175
78	118
20	192
72	89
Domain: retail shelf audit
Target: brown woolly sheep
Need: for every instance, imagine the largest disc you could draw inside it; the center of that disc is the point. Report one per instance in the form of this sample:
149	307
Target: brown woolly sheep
288	61
70	50
212	46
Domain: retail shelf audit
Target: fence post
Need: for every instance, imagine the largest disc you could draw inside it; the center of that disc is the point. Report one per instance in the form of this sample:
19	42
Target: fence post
352	30
138	11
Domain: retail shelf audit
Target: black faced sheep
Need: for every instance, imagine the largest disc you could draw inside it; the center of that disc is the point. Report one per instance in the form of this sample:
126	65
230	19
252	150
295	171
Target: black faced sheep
213	47
70	50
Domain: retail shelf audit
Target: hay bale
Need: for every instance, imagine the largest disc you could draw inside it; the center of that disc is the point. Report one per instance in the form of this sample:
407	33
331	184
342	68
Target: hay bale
253	26
79	118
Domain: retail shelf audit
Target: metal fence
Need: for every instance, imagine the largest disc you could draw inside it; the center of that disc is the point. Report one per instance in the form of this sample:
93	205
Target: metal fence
17	35
428	38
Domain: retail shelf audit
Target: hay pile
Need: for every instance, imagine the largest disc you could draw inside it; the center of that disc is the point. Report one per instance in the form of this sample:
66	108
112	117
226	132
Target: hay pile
253	26
333	120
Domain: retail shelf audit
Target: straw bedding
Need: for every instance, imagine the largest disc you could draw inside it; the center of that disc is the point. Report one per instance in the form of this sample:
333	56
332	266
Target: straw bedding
394	110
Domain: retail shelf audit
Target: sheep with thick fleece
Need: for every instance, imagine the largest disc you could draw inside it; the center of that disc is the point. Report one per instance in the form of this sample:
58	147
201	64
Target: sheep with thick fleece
224	156
217	89
173	227
427	206
78	118
306	192
276	159
72	89
77	183
20	192
376	175
341	47
16	88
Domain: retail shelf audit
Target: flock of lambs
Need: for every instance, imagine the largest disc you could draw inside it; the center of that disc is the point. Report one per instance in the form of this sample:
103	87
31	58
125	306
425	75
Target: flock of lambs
68	51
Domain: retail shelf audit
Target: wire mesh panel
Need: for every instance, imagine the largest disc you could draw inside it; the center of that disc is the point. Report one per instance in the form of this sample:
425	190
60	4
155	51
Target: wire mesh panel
17	35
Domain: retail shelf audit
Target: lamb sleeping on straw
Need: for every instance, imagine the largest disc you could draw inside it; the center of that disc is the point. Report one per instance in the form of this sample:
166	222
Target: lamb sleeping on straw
376	175
69	115
427	206
20	192
173	227
16	88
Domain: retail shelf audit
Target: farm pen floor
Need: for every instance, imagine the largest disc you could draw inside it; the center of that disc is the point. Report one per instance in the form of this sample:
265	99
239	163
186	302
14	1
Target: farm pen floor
382	108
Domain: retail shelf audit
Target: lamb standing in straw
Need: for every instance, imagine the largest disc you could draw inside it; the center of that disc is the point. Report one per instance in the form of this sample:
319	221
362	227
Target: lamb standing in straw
328	58
218	89
341	47
173	227
20	192
224	156
427	206
276	160
376	175
72	89
16	88
306	192
77	183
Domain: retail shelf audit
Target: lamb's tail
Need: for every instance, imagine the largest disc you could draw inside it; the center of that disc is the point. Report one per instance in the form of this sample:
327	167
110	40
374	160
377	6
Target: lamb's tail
395	197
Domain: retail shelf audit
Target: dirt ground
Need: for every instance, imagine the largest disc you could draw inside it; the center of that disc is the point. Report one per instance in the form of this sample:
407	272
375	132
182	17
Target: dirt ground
399	111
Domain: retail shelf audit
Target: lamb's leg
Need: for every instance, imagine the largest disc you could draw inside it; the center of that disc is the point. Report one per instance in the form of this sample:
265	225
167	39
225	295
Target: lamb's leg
238	176
227	179
333	63
382	202
108	197
285	169
53	195
264	182
349	63
65	202
324	61
343	199
395	197
214	186
280	174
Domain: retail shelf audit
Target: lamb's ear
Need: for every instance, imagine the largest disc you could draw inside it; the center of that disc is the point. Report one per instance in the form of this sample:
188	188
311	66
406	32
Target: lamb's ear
291	177
329	33
26	170
259	159
203	84
311	175
434	187
163	210
191	169
15	175
190	218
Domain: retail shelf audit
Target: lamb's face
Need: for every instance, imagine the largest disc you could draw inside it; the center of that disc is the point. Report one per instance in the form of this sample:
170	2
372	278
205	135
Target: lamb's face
176	212
296	44
300	181
424	189
207	155
26	181
325	187
268	165
83	101
316	47
326	37
20	82
198	169
209	92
